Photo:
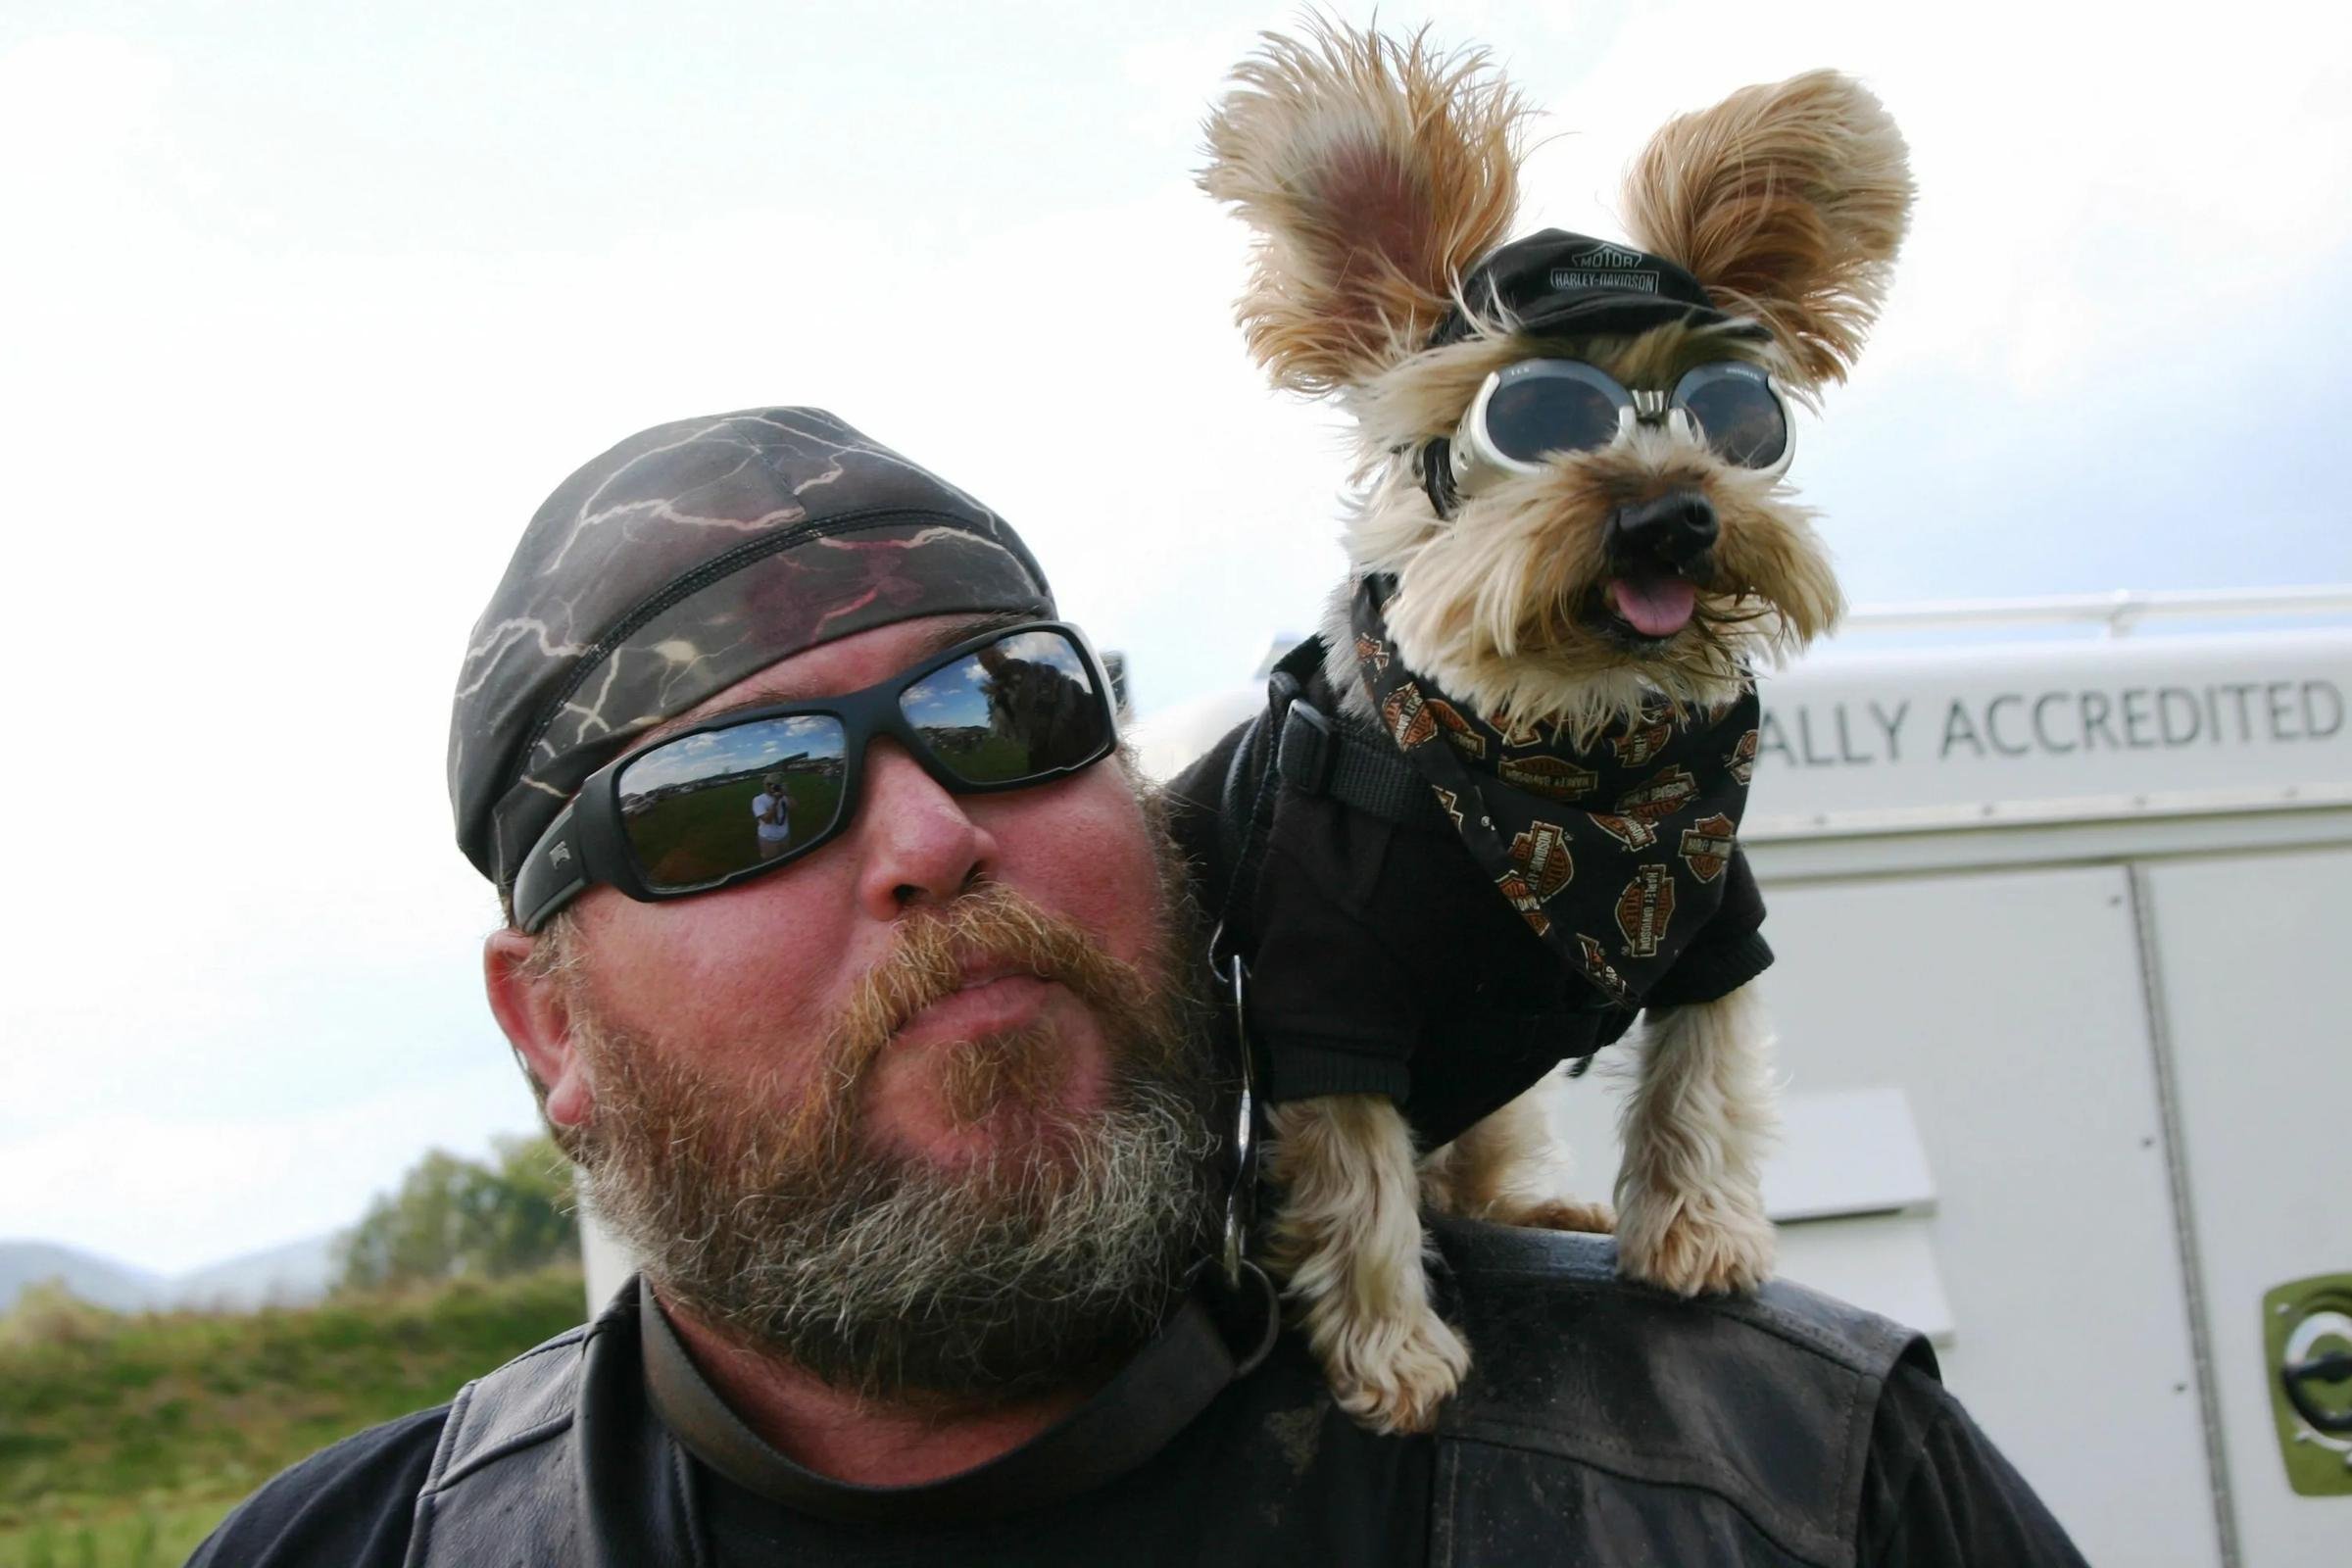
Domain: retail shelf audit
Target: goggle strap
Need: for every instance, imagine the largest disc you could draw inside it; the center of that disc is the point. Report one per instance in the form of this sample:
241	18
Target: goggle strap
1437	477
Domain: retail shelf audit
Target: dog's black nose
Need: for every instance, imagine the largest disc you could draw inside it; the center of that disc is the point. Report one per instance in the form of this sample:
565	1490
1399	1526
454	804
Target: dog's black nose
1673	529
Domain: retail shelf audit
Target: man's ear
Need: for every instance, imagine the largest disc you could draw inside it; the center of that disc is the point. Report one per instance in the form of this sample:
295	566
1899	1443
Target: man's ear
533	1008
1376	171
1788	202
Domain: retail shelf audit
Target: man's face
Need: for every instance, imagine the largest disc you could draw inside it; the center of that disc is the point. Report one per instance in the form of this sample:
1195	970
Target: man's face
734	975
947	1053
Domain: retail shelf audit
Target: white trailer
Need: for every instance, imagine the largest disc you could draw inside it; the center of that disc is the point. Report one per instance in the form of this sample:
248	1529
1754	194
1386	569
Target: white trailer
2065	969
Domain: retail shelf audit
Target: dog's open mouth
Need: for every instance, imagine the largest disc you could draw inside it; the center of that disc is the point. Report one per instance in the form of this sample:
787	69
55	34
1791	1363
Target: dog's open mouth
1648	603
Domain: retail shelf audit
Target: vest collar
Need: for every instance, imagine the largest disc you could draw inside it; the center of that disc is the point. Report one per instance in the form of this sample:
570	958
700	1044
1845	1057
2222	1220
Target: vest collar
1131	1418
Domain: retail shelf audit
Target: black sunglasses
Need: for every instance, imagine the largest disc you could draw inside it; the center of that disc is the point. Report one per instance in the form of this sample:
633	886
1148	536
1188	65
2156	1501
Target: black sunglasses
699	809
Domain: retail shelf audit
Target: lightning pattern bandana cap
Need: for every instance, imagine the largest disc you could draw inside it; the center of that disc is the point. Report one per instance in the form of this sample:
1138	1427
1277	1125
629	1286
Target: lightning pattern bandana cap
685	558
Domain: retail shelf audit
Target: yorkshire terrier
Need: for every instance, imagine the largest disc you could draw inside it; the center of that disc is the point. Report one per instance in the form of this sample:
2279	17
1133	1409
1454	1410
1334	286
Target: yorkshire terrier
1570	546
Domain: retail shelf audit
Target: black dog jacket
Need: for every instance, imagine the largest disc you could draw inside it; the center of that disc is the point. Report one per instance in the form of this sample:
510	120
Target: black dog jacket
1444	914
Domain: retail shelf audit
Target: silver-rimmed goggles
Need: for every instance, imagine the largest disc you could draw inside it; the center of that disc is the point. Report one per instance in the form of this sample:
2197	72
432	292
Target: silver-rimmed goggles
1528	414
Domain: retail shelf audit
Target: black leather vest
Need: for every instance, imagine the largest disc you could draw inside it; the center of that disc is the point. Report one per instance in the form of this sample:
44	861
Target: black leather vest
1601	1423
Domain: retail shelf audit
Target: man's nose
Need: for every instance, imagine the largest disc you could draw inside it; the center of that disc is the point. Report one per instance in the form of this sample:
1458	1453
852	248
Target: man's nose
916	842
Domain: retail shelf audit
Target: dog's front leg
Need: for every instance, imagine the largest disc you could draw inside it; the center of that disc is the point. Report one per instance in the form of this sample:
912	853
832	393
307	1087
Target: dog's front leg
1349	1244
1689	1198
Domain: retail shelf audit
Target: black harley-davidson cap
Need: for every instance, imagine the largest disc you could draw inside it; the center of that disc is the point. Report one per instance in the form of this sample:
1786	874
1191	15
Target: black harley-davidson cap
1572	285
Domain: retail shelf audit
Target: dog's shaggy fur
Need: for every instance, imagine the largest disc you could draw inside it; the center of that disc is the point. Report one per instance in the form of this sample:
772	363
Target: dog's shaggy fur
1377	172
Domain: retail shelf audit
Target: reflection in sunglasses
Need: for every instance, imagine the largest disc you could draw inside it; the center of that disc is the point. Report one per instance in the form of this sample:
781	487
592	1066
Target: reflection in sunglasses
1023	706
696	818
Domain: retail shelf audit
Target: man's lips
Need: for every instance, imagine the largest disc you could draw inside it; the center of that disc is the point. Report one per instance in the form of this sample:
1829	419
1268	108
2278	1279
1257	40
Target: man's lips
991	1001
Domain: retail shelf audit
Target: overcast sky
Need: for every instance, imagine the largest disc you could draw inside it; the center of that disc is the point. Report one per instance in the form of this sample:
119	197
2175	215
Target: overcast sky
306	307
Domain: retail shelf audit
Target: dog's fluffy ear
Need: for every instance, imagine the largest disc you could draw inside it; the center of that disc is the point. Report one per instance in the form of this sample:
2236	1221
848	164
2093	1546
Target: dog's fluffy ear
1376	171
1788	202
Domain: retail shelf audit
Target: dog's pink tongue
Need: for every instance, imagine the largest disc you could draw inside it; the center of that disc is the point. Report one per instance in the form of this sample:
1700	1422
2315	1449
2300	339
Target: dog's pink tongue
1656	606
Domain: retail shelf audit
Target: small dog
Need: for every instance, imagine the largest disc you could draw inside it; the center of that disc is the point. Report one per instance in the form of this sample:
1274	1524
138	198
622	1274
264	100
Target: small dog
1570	546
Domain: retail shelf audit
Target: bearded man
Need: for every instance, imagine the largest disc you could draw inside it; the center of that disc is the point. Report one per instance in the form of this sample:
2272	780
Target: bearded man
914	1127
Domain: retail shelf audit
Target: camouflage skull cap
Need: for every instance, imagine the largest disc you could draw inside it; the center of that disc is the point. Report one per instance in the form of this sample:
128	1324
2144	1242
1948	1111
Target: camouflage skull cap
680	562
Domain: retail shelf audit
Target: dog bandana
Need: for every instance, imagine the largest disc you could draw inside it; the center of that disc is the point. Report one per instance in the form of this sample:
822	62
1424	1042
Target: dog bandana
1381	958
1616	856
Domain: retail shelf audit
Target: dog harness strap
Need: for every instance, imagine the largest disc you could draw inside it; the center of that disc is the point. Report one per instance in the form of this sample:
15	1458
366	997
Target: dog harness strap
1615	854
1313	752
1246	810
1325	755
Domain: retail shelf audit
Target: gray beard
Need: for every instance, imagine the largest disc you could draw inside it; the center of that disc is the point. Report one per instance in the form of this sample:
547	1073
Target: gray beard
891	1277
1056	1253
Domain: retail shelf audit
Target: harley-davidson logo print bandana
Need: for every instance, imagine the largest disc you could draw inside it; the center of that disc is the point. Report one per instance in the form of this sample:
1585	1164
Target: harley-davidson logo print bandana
1614	854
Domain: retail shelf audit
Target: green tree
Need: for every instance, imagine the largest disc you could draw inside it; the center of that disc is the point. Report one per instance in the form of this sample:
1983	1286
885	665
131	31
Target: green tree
47	1312
453	1217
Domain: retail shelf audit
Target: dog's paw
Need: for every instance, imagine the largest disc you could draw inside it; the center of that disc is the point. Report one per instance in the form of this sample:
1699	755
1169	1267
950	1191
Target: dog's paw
1695	1246
1565	1214
1391	1375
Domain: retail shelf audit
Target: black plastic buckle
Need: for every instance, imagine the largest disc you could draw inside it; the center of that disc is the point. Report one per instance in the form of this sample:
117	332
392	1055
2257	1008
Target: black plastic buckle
1309	748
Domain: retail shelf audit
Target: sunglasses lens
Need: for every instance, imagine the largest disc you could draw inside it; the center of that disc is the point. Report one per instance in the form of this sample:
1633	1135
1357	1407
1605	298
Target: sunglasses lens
1023	707
1534	417
1737	413
709	804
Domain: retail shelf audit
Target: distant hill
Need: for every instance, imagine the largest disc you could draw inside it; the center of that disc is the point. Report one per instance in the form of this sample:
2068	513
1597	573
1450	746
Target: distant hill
100	1280
291	1275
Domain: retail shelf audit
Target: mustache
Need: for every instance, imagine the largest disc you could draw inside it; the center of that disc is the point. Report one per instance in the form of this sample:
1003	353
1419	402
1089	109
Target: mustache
989	926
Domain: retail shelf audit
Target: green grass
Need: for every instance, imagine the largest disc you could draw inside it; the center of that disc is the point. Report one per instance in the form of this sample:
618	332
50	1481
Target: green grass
124	1439
989	757
711	832
156	1534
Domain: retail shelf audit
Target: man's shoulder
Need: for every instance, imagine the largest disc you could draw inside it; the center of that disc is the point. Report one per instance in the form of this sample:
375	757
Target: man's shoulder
1765	1401
1518	1277
348	1503
354	1503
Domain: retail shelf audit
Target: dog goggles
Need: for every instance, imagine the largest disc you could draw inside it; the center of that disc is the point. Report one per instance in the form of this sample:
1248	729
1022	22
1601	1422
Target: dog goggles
757	788
1537	410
